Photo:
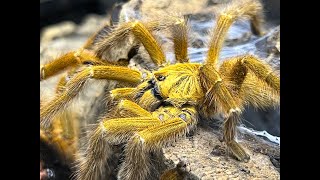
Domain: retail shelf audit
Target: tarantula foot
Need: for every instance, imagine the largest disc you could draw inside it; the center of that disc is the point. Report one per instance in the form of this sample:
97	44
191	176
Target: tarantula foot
181	171
238	151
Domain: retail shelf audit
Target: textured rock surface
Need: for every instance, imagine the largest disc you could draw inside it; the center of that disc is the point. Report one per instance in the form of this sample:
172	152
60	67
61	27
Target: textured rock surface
206	155
203	150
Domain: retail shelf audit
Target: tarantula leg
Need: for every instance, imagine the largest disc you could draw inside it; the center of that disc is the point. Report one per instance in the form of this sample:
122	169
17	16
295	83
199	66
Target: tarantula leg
61	84
142	34
227	102
122	93
64	133
225	17
92	164
229	134
75	85
149	42
70	59
179	172
62	136
262	71
58	65
137	164
109	131
180	40
246	85
225	99
256	24
218	94
128	108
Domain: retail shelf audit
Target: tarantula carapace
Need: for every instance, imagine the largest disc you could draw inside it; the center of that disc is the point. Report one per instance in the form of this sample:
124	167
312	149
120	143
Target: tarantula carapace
159	106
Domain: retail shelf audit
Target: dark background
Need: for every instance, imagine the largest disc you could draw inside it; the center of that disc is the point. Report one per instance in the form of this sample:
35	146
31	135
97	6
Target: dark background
54	11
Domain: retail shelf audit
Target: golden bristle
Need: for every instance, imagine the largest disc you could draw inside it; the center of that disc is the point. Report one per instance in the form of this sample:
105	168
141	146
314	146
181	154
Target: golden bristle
122	93
58	65
180	39
149	42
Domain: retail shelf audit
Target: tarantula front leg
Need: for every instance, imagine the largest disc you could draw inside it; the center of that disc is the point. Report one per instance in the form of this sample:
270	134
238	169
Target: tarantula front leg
136	165
107	133
126	108
132	93
75	85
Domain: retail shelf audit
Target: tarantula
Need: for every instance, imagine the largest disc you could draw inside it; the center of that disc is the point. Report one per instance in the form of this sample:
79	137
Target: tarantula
160	106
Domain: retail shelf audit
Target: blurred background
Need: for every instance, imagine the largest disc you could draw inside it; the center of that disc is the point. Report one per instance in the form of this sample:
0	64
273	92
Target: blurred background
54	11
65	25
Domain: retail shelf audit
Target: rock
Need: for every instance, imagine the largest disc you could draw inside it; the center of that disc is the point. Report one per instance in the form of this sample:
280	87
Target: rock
91	23
58	30
272	10
217	167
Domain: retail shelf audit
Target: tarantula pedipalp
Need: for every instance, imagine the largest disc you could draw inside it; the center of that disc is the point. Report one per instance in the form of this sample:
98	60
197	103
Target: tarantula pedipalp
168	103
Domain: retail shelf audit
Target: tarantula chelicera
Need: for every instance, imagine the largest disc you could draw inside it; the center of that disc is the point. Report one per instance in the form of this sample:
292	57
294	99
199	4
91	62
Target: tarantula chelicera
161	105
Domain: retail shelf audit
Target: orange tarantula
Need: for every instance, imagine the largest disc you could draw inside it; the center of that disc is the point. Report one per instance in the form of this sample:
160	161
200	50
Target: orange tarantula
161	105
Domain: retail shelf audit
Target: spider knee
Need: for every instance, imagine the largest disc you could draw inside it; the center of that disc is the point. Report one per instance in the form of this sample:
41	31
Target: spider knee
91	71
135	23
246	59
226	16
77	54
235	111
137	139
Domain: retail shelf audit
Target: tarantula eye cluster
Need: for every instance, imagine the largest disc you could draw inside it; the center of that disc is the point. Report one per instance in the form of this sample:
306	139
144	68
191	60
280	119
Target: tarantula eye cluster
160	78
159	106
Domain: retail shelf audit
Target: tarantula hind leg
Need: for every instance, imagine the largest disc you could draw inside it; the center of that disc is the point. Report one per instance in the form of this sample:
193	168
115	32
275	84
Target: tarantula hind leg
70	59
229	133
262	71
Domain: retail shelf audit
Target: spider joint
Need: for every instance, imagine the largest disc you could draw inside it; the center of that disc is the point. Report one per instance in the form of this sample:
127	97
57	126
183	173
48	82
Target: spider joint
141	139
77	54
91	71
226	16
235	110
218	81
135	23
